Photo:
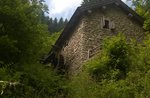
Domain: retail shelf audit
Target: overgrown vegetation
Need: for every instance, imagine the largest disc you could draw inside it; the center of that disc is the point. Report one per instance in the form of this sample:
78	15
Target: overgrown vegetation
24	40
120	71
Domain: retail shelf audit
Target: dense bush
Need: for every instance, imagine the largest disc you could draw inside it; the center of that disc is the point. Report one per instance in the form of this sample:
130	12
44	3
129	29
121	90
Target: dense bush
24	40
31	79
34	81
121	70
113	60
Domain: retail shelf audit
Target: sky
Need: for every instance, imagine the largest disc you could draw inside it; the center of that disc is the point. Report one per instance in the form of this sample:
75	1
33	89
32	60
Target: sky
63	8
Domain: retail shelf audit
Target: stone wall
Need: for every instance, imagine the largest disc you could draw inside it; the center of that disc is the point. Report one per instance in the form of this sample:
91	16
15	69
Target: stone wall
94	33
88	36
73	51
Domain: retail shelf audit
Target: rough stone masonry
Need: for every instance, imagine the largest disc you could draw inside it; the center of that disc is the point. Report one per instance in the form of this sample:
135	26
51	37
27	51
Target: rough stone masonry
89	33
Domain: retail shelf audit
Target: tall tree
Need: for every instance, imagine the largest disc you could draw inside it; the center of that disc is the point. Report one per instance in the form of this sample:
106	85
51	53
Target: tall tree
143	8
20	29
55	25
55	22
23	40
61	24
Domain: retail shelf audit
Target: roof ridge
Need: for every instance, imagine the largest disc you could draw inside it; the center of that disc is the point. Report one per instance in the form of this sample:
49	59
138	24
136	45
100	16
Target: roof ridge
98	2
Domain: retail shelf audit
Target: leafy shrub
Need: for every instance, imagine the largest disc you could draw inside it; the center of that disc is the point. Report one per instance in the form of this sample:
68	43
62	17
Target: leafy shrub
114	59
102	78
33	81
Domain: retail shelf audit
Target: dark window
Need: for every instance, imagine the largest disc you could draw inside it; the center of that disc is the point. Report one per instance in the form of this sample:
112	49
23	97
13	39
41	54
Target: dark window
106	25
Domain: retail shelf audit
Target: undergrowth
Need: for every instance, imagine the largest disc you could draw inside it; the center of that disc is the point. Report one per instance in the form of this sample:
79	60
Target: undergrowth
121	70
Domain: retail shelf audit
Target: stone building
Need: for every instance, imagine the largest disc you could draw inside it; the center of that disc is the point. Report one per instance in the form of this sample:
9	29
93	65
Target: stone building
83	35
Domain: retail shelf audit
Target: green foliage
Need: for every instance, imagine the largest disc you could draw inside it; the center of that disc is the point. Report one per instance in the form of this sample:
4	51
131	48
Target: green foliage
34	81
114	58
8	49
54	37
55	25
122	70
24	40
20	23
142	8
105	76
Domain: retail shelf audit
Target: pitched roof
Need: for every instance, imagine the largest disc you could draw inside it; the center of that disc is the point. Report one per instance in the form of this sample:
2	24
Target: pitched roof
65	35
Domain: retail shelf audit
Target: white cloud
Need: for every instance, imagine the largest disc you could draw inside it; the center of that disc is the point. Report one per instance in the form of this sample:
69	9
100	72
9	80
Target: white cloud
59	6
63	8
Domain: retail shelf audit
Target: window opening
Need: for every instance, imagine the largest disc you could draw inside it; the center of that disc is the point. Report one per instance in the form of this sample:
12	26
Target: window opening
106	25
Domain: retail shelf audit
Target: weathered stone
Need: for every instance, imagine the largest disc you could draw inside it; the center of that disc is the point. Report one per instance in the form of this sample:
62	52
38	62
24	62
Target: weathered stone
88	36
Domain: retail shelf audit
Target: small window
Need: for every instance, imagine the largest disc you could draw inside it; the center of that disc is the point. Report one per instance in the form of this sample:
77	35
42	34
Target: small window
106	24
